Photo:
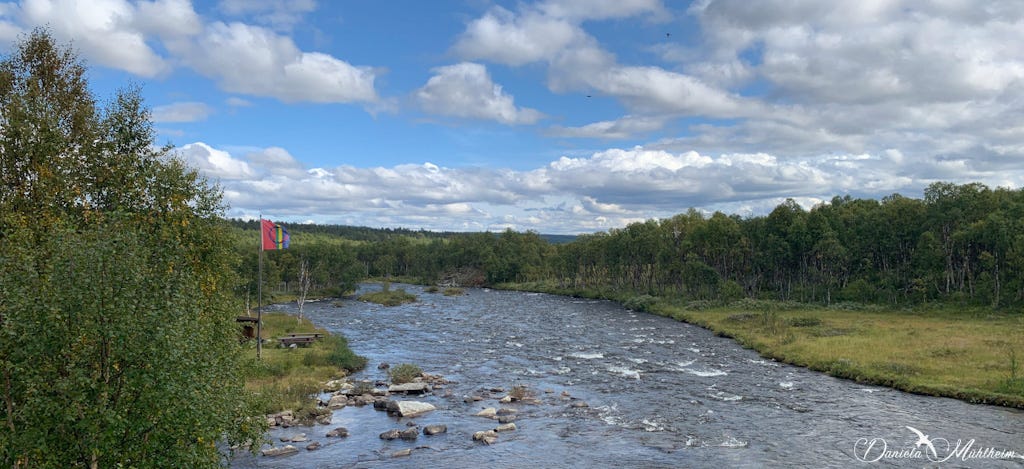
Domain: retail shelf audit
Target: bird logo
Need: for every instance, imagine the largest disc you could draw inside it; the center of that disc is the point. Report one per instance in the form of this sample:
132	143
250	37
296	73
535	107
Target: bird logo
923	440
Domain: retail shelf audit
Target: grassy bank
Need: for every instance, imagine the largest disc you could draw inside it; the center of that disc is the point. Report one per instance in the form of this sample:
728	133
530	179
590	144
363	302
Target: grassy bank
973	355
290	378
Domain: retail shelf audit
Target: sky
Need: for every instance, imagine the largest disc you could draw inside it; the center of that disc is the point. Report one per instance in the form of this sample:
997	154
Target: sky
559	116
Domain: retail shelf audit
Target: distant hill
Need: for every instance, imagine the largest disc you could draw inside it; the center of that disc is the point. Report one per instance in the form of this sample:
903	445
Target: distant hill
558	239
364	233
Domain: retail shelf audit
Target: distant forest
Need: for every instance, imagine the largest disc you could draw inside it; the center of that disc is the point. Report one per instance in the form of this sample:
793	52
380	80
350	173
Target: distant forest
362	233
961	244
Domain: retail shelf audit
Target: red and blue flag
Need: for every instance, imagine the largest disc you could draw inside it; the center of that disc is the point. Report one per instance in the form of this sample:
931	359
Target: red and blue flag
274	236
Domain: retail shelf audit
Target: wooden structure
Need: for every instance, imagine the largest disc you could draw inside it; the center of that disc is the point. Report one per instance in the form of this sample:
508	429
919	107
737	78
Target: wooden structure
299	339
248	326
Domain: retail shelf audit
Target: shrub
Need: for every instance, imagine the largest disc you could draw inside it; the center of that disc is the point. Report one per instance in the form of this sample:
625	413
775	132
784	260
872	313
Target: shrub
640	303
404	373
519	392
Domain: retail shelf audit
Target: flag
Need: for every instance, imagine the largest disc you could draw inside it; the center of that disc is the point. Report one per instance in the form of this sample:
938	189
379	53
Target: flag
274	236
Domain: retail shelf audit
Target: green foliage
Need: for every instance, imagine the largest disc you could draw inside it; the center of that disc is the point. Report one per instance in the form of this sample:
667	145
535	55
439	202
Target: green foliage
333	350
117	340
404	373
640	303
961	245
389	297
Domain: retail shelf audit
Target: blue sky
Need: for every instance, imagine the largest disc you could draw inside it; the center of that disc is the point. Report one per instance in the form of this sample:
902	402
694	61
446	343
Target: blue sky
560	116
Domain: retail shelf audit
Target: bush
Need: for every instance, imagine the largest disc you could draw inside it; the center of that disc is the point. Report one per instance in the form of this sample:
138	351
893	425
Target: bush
519	392
640	303
341	356
404	373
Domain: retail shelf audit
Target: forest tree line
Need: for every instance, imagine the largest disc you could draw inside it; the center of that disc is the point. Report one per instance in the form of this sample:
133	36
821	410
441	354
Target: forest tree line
960	243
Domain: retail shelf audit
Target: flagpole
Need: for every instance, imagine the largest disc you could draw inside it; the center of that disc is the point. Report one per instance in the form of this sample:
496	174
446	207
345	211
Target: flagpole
259	289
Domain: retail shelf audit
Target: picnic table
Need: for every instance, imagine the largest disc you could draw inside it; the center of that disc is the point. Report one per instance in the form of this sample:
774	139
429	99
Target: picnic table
299	339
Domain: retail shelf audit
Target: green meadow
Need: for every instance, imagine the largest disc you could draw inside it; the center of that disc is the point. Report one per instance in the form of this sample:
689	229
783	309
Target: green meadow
974	356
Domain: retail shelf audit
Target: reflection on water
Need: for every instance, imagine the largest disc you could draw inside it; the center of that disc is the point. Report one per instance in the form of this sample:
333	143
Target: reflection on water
658	393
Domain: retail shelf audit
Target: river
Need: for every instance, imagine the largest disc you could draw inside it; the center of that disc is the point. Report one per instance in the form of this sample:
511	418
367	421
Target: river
659	393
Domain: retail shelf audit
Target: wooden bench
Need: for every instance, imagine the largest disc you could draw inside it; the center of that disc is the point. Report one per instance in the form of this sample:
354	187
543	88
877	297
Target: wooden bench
287	341
314	335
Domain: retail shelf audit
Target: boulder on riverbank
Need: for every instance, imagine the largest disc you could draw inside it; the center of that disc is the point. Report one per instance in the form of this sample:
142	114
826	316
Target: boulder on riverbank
281	419
280	451
337	401
335	385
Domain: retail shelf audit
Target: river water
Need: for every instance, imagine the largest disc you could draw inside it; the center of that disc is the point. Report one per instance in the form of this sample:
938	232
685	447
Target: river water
660	393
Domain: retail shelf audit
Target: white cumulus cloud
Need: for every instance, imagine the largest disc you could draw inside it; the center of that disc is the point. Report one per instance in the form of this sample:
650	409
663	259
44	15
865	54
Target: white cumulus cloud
110	32
257	61
466	90
505	37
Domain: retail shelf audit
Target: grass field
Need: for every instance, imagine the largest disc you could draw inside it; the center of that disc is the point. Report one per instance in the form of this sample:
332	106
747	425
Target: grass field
976	357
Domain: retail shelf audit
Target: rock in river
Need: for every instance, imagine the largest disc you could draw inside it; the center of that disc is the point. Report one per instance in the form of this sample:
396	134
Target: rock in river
340	432
409	388
410	408
434	429
486	436
337	401
410	433
489	412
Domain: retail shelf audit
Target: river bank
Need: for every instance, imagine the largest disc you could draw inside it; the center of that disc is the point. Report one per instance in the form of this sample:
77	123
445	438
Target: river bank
289	378
975	356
